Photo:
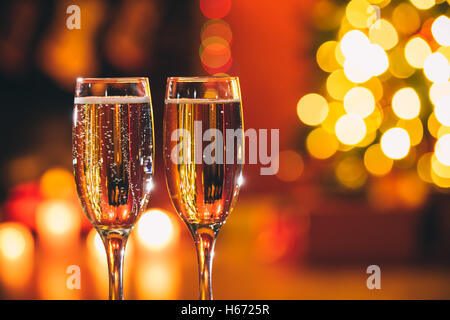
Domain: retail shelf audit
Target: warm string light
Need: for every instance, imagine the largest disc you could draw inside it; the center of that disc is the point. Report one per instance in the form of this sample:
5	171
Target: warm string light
368	104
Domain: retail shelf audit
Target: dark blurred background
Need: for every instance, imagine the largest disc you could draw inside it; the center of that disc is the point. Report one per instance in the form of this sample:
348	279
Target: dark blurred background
311	231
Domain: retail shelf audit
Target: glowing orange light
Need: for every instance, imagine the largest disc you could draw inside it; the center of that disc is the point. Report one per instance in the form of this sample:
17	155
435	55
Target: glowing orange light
57	183
326	56
216	28
215	9
406	18
15	239
338	84
350	172
424	167
350	129
16	259
155	230
215	52
321	144
312	109
376	162
157	279
359	101
384	34
57	217
291	165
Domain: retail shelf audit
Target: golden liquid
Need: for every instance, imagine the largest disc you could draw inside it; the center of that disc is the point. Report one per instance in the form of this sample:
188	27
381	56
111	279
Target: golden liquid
113	161
202	193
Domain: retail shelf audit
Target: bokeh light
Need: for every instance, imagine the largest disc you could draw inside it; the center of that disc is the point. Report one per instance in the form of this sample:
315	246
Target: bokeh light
405	18
335	111
362	59
398	65
359	101
443	130
433	125
416	51
155	229
215	9
17	251
424	167
14	240
442	110
350	129
376	162
312	109
352	42
423	4
338	84
350	172
414	128
291	166
406	103
57	183
441	30
321	144
216	28
360	13
411	191
57	217
436	68
395	143
324	15
376	87
326	56
439	168
442	149
383	33
377	60
215	53
438	90
374	120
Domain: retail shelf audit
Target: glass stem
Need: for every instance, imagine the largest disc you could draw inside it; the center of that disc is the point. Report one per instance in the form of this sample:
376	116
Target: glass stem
115	242
205	239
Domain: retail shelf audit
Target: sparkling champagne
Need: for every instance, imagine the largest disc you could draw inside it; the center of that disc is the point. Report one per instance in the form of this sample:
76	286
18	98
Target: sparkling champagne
203	193
113	158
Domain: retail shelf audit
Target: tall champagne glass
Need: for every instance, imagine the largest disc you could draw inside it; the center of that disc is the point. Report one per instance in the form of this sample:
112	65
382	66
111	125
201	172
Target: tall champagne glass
203	157
113	160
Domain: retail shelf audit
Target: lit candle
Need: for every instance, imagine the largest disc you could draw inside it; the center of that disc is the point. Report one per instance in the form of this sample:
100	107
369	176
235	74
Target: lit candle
16	259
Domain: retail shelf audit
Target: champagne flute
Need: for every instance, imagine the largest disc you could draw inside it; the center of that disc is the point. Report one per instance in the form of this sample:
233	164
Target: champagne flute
203	157
112	139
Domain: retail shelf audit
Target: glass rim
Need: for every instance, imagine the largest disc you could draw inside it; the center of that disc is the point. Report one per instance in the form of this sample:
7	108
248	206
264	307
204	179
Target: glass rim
112	79
202	79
